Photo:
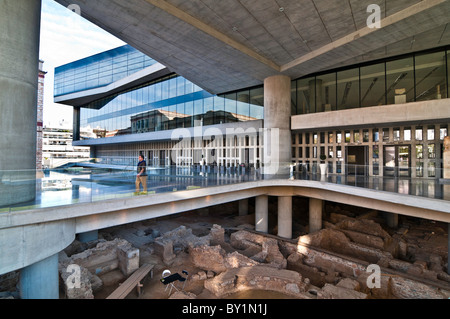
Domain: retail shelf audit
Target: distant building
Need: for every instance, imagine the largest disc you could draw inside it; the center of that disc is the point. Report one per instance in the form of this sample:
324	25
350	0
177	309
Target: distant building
58	150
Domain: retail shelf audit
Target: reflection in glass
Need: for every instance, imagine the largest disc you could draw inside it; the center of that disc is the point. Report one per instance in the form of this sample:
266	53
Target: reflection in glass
347	136
326	92
419	151
356	137
442	132
385	135
419	133
431	169
407	134
339	137
373	86
400	81
256	103
348	89
376	135
365	136
419	169
376	151
431	82
306	96
430	133
396	134
431	151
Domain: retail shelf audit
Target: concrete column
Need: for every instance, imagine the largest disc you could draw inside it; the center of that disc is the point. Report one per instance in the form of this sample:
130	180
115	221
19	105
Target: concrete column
19	72
277	133
392	220
88	236
285	216
40	280
262	213
315	214
243	207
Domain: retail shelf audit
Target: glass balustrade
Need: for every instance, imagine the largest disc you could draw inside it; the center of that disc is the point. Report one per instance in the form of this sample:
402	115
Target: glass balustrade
75	185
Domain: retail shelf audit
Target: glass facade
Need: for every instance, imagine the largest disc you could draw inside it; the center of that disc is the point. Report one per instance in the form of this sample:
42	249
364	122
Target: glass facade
167	103
388	151
163	104
416	77
99	70
174	102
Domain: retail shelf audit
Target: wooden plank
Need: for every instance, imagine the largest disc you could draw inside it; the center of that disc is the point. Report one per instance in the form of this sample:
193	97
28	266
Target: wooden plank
133	281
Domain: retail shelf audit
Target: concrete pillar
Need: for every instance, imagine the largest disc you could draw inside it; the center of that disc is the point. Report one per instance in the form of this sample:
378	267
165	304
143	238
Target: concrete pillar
277	133
19	72
262	213
392	220
285	216
88	236
243	207
40	280
315	214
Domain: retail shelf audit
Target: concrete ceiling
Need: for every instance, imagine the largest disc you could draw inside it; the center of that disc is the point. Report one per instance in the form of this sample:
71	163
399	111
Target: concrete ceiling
224	45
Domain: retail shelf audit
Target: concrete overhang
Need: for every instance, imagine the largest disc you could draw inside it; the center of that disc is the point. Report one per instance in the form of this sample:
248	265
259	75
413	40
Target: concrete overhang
82	98
227	45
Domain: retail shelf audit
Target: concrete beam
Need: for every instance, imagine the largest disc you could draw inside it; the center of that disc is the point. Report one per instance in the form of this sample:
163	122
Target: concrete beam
200	25
375	115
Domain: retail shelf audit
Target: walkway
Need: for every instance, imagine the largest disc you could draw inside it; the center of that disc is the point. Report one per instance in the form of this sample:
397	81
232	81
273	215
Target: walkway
86	185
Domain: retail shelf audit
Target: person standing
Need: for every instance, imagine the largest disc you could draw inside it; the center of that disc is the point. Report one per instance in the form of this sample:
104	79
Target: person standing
141	177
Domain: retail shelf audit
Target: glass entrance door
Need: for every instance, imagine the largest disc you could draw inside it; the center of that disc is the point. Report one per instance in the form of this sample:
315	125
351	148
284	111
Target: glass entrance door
397	161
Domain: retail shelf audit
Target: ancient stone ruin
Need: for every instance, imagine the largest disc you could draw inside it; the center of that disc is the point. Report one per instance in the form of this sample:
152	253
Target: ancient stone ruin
231	258
103	258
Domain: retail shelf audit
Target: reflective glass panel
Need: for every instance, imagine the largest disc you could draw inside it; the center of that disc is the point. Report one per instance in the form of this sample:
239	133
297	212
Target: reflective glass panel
373	86
400	81
348	89
431	82
306	96
326	92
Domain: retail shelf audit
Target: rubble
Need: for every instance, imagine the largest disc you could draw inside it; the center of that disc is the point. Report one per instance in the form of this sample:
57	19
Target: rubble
90	264
258	277
222	259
